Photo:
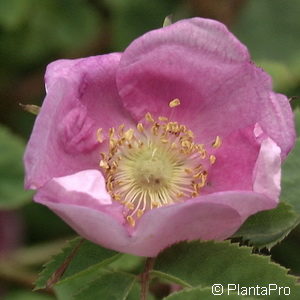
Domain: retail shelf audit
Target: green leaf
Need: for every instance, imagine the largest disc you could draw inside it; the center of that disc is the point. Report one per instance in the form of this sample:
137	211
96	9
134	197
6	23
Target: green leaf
135	293
108	286
12	193
206	293
78	258
267	228
287	252
89	257
128	263
55	263
291	178
202	264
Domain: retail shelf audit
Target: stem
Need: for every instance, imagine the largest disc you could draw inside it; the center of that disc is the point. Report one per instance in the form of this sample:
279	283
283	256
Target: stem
145	277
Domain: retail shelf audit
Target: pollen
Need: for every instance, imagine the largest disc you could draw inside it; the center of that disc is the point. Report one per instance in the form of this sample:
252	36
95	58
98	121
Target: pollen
155	164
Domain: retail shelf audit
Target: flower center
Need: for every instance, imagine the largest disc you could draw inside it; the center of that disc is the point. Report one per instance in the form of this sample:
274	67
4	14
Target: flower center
154	165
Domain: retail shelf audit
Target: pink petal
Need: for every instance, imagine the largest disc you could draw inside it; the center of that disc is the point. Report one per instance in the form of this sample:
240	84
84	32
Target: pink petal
83	189
94	225
81	97
278	122
82	201
267	172
216	216
168	225
209	70
246	203
88	182
235	160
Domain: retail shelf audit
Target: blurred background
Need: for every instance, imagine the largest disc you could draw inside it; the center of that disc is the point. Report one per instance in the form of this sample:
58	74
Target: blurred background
34	33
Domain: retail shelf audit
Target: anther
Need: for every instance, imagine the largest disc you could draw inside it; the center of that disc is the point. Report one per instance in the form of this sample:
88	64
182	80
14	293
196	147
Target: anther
140	213
217	143
175	102
100	137
149	117
121	129
212	159
111	132
103	164
140	127
117	197
131	221
129	134
163	119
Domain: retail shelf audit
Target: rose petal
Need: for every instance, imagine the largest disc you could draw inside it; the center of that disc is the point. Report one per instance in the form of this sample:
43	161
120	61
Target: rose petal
215	216
235	160
82	201
84	189
87	182
198	220
209	70
81	97
267	171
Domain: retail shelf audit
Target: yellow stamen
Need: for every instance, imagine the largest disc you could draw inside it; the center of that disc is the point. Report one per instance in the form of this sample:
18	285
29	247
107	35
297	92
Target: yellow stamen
121	129
103	164
140	127
175	102
149	117
217	143
212	159
163	119
140	213
131	221
111	132
117	197
153	166
100	137
129	134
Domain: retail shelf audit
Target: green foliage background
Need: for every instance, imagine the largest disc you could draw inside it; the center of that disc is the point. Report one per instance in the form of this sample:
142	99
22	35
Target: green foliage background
34	33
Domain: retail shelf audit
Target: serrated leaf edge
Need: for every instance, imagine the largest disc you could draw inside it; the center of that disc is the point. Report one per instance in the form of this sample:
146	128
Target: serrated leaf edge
244	248
87	270
69	244
279	240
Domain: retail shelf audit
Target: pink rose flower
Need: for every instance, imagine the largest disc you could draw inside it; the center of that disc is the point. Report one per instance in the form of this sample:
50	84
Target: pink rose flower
180	137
